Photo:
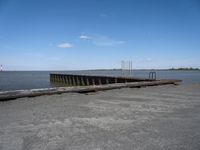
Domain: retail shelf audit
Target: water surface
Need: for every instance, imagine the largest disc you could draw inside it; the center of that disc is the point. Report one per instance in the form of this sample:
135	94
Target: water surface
18	80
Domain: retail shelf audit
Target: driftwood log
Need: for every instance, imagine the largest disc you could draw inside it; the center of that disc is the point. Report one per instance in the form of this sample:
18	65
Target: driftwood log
9	95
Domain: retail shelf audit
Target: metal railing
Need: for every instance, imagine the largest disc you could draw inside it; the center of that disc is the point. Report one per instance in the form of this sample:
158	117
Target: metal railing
152	75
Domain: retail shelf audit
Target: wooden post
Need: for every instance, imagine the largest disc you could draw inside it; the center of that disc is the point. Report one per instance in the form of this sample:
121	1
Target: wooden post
115	80
93	82
87	81
67	80
70	80
77	81
63	78
107	81
53	78
100	81
60	79
82	81
73	81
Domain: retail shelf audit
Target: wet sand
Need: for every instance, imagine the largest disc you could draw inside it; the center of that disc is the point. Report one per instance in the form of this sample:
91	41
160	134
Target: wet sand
162	117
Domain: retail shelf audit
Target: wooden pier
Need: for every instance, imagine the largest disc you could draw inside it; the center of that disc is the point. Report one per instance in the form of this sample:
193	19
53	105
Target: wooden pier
86	80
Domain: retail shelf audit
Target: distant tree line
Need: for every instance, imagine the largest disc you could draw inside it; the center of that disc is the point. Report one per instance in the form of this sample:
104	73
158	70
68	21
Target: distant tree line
190	68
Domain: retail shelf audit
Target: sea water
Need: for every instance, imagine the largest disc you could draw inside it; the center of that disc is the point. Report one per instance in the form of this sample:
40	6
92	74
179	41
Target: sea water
20	80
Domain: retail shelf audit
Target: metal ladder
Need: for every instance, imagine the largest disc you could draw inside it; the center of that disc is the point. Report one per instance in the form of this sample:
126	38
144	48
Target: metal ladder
152	75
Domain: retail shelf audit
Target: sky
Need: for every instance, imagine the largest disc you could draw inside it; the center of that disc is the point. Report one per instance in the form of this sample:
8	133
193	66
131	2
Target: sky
99	34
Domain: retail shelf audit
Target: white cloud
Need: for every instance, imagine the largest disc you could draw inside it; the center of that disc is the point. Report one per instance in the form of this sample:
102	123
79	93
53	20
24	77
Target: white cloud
85	37
65	45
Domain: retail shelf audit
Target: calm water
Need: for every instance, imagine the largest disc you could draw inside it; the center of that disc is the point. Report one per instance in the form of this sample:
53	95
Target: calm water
17	80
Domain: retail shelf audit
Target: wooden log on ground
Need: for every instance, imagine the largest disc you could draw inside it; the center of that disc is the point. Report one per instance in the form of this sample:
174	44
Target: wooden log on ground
9	95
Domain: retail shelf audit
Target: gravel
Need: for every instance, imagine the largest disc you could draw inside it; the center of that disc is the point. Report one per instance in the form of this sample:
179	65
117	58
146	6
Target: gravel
152	118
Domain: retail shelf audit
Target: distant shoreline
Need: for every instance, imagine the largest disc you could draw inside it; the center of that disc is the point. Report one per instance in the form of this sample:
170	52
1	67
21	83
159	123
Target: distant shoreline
185	69
170	69
114	69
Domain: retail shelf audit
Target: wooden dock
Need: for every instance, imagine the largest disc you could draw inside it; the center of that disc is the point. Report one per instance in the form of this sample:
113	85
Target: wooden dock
86	80
9	95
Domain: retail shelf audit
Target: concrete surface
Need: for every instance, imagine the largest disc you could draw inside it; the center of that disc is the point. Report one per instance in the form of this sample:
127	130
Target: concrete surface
152	118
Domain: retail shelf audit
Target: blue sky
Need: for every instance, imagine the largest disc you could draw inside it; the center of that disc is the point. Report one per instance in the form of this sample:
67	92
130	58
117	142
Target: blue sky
94	34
